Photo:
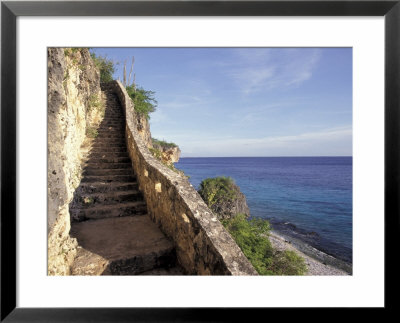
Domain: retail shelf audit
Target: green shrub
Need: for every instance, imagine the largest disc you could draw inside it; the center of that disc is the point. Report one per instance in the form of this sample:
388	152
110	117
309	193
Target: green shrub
156	153
94	102
105	66
163	144
252	238
218	189
91	132
143	100
288	263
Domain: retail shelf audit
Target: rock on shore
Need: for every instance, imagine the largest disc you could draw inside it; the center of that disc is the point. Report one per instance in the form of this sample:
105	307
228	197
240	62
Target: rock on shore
315	268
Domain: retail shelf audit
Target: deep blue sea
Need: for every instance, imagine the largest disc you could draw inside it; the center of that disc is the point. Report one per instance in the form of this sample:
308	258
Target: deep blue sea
309	198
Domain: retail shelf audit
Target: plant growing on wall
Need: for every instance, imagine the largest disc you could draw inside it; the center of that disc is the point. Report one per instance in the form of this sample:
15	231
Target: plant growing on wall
105	66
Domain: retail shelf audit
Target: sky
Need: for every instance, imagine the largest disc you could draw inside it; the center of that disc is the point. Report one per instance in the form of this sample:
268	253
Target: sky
229	102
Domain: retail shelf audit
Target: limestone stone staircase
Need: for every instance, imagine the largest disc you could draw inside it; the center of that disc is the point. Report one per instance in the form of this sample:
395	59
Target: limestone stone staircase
108	212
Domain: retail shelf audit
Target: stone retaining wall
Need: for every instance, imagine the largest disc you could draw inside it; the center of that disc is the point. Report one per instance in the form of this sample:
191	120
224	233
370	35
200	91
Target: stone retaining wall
203	245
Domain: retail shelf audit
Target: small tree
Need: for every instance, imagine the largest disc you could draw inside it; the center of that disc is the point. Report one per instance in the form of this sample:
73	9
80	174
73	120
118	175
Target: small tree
143	100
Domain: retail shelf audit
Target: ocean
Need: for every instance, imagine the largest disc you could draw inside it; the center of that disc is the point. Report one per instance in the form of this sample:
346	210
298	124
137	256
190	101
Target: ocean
307	199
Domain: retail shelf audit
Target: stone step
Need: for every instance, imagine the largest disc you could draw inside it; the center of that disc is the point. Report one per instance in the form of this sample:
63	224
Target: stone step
113	117
111	134
105	127
117	126
109	211
103	150
119	129
120	246
163	271
90	200
113	120
107	136
102	187
113	107
104	164
114	113
107	171
110	129
108	155
108	160
106	145
120	135
108	141
108	178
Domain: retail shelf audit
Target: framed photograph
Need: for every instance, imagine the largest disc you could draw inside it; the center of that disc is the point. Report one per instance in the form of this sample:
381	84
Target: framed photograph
359	43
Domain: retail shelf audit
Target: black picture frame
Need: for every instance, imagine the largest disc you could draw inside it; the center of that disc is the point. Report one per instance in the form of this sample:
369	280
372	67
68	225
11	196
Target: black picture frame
10	10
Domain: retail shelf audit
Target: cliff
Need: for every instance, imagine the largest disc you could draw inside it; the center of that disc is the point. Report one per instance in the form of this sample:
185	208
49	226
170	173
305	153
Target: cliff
230	208
143	127
74	109
169	152
224	197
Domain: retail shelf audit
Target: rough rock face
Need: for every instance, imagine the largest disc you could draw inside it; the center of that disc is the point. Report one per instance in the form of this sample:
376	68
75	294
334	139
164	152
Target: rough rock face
144	130
73	106
171	155
229	208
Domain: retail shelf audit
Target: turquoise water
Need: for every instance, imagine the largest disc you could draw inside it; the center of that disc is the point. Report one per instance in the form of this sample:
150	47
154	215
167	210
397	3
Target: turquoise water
309	198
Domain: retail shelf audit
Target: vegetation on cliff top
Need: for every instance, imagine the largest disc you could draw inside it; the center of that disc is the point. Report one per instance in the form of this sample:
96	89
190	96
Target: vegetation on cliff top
163	144
105	66
224	197
158	154
251	235
143	100
217	190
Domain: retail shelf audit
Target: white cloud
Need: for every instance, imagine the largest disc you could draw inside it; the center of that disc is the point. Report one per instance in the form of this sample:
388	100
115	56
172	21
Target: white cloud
329	142
182	101
256	70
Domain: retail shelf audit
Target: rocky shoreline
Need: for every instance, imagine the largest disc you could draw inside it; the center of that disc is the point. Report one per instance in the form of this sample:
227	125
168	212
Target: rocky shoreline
326	265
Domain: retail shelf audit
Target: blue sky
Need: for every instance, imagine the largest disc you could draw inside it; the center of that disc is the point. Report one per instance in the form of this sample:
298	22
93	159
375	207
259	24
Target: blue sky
216	102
